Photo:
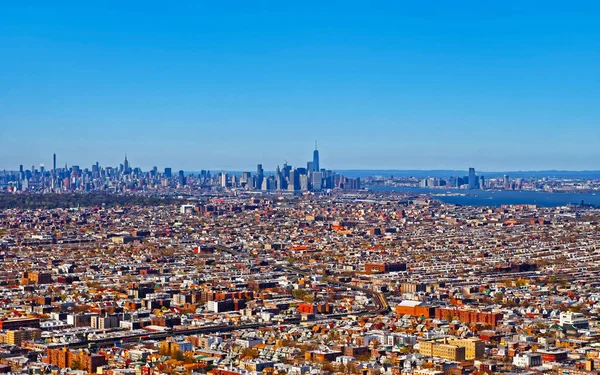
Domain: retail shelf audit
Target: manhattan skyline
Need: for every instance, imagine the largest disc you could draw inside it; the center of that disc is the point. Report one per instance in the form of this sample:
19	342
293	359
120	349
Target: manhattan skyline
398	86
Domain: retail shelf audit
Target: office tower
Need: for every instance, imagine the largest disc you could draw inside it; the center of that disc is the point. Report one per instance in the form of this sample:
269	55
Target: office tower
472	179
317	180
95	170
519	184
506	182
481	182
126	165
246	180
259	176
246	176
303	182
42	168
279	180
310	167
286	171
181	178
54	165
316	159
168	172
353	183
223	179
294	180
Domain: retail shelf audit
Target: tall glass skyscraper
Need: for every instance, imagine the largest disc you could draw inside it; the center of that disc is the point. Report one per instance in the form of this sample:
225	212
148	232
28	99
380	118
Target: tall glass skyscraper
316	159
472	179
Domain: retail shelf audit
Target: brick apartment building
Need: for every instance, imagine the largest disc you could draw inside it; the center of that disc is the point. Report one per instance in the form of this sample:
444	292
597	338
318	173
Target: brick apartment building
415	308
65	358
384	267
14	324
468	316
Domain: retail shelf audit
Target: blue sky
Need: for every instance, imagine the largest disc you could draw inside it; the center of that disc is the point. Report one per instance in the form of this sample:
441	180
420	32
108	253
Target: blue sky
228	84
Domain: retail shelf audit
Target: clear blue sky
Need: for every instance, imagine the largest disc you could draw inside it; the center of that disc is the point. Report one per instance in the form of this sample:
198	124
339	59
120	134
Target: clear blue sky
501	85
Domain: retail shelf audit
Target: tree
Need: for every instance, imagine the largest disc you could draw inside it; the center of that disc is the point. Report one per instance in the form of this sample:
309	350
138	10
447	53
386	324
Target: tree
498	298
76	365
248	352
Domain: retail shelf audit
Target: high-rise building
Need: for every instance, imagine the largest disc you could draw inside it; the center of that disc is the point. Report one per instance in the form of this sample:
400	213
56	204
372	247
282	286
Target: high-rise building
472	179
317	180
259	176
294	180
126	165
181	178
54	165
303	182
168	172
286	171
223	179
316	159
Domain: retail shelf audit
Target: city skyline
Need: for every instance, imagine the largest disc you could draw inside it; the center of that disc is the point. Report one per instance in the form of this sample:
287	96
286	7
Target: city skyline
271	168
393	87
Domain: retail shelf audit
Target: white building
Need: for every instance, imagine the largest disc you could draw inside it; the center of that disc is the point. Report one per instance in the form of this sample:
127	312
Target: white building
574	320
186	209
527	360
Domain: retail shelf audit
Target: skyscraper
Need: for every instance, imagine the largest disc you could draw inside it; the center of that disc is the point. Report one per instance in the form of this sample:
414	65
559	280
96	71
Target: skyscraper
259	176
472	179
294	180
317	181
54	165
126	165
316	159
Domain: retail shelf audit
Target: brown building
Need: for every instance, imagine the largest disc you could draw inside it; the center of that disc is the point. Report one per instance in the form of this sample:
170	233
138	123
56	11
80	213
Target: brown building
75	359
474	348
322	356
468	316
415	308
413	287
384	267
16	337
36	277
444	351
13	324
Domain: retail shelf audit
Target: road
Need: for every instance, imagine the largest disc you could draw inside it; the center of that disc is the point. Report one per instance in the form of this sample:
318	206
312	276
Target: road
378	299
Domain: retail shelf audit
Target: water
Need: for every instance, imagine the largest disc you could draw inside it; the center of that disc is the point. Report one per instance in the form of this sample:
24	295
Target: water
499	198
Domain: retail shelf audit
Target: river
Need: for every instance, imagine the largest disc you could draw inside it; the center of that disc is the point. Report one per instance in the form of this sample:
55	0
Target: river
499	197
